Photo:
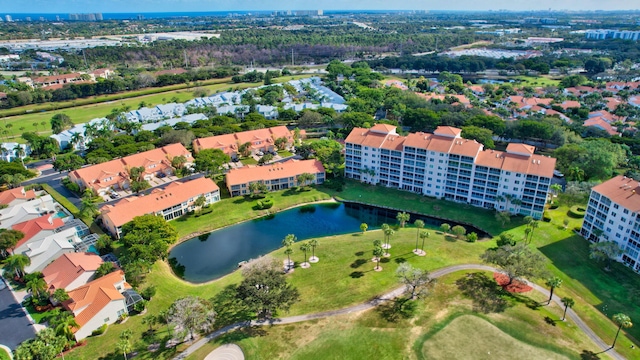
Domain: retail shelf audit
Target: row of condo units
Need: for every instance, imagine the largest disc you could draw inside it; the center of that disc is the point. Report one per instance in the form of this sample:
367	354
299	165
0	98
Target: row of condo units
53	82
445	165
62	249
179	197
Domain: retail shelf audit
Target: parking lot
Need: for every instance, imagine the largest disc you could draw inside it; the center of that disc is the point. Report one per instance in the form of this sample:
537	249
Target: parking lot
154	182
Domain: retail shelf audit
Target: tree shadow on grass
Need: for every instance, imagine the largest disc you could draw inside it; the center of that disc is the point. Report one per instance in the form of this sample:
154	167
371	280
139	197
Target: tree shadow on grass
359	253
400	260
589	355
229	309
487	296
385	260
451	238
359	262
397	309
356	274
241	334
242	199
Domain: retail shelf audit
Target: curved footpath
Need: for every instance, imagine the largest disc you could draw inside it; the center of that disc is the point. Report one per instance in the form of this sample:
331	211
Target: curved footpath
390	295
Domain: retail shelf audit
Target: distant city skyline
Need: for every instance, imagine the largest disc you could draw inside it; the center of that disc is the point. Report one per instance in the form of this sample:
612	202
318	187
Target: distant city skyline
142	6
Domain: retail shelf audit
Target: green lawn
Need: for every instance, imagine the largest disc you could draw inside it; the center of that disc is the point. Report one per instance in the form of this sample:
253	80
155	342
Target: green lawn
404	200
518	331
38	317
285	153
249	161
240	208
537	81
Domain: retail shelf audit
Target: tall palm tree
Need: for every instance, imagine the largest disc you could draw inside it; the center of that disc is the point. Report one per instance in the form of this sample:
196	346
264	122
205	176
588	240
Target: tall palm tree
288	251
304	248
124	345
313	243
556	188
533	225
419	224
16	264
378	253
424	235
403	218
289	240
388	233
76	139
20	153
553	283
623	321
568	302
88	207
384	228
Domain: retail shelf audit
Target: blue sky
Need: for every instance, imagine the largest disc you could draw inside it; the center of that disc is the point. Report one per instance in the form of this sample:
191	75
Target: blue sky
66	6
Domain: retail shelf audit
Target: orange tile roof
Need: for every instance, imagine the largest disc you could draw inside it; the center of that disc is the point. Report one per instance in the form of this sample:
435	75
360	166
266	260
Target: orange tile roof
384	128
520	148
290	168
7	196
364	137
533	165
600	123
44	79
68	267
621	190
229	143
465	147
91	298
118	169
570	104
173	194
448	131
32	227
170	72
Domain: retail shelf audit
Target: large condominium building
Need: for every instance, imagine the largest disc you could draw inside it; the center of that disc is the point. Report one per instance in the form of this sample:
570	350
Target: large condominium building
612	214
445	165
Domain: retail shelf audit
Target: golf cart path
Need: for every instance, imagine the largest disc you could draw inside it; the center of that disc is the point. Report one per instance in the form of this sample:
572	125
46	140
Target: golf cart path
388	296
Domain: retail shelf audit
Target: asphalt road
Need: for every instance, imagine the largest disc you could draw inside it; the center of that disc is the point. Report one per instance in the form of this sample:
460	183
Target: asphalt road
15	327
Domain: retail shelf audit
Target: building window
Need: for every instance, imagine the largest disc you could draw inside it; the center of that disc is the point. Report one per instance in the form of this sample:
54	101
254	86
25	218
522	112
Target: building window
106	320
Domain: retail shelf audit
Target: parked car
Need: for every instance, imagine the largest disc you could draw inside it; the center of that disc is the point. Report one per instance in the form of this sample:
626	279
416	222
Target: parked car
259	153
161	175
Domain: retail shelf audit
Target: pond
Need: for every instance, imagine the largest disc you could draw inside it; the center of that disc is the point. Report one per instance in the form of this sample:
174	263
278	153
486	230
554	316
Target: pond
218	253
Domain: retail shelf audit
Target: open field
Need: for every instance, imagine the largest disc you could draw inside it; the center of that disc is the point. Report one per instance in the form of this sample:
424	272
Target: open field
518	331
81	114
537	81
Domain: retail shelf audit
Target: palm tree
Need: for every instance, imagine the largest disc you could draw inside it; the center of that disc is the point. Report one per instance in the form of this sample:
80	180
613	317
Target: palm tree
424	235
90	130
621	320
556	188
553	283
37	286
568	302
289	240
313	243
403	218
16	264
384	229
576	173
124	345
304	248
533	225
378	253
64	323
76	139
88	207
288	251
20	153
419	224
364	227
388	233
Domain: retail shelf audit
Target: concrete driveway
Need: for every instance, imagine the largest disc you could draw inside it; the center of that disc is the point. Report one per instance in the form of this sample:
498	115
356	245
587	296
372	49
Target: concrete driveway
15	327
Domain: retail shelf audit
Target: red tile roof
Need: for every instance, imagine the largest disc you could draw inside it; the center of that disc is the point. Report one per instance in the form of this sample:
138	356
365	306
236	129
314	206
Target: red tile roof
621	190
171	72
600	123
290	168
7	196
88	300
68	267
229	143
32	227
173	194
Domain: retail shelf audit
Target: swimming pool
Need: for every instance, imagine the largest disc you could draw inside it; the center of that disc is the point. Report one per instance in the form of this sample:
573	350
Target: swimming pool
60	214
93	249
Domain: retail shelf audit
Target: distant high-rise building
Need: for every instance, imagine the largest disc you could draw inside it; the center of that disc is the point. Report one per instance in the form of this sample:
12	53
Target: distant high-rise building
28	18
57	17
41	18
86	17
140	17
99	16
8	18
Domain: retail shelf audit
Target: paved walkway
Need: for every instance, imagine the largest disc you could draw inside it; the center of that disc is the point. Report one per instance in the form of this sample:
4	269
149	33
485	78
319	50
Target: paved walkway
388	296
226	352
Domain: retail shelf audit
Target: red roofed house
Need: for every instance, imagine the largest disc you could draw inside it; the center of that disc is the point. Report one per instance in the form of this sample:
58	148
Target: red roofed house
16	196
98	302
442	165
71	271
60	80
569	104
276	176
115	173
175	200
36	229
259	140
601	124
613	214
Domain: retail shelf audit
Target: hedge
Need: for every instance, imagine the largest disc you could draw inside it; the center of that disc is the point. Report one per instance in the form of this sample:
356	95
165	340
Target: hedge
577	211
72	208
